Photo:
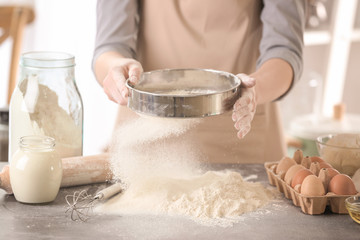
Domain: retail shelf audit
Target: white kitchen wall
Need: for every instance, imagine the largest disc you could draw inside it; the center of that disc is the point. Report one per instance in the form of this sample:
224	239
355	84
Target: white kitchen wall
305	96
69	26
318	47
351	96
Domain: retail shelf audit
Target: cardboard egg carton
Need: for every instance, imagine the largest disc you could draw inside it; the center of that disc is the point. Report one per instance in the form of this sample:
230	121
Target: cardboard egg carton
309	205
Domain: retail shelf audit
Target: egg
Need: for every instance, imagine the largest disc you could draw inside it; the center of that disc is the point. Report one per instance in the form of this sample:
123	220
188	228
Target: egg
312	186
291	172
300	176
284	164
341	184
356	179
324	165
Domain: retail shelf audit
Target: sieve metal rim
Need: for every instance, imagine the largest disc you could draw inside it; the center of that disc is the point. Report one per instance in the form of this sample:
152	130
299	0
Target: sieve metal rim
219	97
132	86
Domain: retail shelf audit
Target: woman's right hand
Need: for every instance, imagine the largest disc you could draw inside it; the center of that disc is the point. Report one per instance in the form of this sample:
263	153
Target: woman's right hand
114	82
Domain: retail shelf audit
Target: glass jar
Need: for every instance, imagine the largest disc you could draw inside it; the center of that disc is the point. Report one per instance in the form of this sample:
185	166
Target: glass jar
46	102
35	170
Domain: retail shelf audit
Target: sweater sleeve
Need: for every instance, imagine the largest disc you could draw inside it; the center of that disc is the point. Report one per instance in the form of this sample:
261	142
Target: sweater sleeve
282	36
116	27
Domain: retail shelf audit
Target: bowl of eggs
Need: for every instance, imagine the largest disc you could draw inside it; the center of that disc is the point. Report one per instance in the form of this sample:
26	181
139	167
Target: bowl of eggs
311	183
341	151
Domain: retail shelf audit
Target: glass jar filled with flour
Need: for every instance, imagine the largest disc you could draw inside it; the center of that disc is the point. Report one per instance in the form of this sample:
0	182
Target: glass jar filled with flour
46	102
35	170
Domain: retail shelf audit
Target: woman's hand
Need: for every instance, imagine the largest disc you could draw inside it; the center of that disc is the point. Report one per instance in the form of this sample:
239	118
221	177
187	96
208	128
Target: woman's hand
245	106
118	69
114	81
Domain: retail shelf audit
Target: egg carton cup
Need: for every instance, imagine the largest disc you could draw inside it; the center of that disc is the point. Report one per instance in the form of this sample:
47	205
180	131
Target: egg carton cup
309	205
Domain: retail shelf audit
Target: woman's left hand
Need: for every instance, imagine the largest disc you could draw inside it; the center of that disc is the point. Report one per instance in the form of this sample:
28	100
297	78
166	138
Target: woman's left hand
245	106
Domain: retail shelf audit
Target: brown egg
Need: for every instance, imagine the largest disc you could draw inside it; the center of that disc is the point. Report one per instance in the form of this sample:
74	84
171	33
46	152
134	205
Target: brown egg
342	184
316	159
291	172
325	165
300	176
284	164
312	186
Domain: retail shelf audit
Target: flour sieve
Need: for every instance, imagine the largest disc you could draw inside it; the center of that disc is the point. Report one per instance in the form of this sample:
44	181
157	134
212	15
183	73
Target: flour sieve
184	93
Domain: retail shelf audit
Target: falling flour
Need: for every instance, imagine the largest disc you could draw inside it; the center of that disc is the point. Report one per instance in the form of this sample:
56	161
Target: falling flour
162	175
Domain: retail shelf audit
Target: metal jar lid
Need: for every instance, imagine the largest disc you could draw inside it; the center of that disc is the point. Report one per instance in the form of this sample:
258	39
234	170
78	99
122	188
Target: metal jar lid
184	93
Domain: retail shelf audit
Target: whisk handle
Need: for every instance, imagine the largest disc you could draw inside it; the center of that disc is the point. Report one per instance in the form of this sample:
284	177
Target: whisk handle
109	191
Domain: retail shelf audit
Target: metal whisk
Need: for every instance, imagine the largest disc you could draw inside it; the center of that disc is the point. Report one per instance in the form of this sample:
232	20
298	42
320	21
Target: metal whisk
80	204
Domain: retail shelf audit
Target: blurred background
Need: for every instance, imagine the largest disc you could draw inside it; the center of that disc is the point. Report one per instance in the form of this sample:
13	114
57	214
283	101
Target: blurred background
67	26
331	64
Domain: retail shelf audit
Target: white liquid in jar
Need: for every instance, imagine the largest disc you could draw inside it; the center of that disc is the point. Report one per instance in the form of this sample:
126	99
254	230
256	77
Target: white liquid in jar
35	174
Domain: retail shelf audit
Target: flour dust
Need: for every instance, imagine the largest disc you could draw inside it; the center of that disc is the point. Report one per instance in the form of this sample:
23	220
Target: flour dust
149	147
162	175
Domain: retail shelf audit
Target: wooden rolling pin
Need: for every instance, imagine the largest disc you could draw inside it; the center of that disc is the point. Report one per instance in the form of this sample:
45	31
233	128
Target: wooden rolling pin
76	171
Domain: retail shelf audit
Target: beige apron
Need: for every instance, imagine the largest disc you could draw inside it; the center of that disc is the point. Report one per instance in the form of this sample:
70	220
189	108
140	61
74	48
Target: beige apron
221	35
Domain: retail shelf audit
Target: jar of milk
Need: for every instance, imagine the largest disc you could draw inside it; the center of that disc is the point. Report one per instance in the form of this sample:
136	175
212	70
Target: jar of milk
35	170
46	102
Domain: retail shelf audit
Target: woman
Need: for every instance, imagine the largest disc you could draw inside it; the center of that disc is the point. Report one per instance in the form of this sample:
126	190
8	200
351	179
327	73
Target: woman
262	40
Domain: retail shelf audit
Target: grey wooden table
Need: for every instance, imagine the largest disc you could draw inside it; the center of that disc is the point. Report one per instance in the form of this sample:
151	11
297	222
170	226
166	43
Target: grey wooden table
278	220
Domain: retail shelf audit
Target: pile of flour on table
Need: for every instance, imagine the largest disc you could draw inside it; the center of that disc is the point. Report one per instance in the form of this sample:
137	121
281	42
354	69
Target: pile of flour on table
163	176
